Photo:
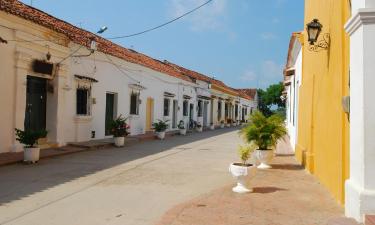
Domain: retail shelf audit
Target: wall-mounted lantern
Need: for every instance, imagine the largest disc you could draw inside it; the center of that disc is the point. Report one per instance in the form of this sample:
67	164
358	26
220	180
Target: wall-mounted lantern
314	28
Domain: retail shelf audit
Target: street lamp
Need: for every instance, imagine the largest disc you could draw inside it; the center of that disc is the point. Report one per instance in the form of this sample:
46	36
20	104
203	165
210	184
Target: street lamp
314	28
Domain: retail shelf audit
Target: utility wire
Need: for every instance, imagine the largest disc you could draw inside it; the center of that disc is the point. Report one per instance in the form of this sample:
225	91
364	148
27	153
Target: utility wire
161	25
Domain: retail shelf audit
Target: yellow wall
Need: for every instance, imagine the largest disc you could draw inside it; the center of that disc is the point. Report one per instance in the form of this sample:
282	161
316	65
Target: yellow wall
323	129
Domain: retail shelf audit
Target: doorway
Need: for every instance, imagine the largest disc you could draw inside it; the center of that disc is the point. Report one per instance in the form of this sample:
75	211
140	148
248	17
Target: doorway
174	113
149	113
36	104
109	112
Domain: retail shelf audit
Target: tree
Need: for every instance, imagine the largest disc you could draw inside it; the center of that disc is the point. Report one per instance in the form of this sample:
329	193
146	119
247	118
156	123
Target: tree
270	98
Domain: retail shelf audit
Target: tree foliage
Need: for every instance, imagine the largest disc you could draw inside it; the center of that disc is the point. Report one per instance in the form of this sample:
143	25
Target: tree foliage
270	98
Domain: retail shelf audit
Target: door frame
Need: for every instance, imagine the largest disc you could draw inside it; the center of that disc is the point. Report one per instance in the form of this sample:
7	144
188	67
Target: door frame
149	113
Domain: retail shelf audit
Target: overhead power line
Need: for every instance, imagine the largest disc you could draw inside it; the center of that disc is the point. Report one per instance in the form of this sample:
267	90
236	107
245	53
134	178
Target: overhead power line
161	25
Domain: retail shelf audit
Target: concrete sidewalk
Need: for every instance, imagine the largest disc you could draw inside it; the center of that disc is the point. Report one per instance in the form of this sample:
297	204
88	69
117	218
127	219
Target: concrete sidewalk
283	195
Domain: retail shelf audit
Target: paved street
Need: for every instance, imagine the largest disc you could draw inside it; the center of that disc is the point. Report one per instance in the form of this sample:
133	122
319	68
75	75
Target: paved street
133	185
138	184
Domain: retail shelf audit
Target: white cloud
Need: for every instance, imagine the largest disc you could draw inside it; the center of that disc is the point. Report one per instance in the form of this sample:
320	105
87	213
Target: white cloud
268	36
266	73
207	17
249	75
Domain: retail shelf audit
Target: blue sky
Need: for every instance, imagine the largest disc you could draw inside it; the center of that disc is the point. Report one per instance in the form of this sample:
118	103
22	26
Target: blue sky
241	42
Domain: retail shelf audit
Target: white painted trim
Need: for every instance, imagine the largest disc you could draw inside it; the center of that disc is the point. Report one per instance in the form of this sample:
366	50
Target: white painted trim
362	17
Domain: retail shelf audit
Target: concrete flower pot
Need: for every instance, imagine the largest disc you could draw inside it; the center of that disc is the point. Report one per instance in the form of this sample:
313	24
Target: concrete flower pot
212	127
31	155
234	124
183	131
264	157
243	175
200	129
119	141
160	135
228	124
222	126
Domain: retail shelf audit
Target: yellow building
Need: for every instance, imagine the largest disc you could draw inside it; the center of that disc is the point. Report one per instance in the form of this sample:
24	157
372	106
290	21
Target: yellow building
323	127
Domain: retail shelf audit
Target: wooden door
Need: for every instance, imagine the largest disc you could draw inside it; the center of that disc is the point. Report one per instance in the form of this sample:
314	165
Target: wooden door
109	112
149	113
36	102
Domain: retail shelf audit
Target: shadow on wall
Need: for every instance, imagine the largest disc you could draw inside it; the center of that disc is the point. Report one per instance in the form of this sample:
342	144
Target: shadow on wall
19	181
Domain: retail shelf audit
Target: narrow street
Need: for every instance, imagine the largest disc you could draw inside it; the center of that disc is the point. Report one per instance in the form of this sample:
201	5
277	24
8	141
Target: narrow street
138	184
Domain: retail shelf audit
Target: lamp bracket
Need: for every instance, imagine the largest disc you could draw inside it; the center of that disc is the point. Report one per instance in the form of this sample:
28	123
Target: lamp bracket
323	44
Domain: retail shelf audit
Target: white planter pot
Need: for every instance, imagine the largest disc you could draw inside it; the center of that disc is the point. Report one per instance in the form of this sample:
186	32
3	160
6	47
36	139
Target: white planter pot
243	175
228	125
234	124
183	131
200	129
31	154
264	157
222	126
119	141
212	127
160	135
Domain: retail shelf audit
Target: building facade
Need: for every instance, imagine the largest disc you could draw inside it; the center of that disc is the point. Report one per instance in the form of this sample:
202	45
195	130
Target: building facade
72	83
360	187
317	81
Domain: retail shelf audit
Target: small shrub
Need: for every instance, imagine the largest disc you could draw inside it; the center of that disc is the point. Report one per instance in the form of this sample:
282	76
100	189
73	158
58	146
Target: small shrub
28	138
160	126
181	125
263	131
244	151
119	127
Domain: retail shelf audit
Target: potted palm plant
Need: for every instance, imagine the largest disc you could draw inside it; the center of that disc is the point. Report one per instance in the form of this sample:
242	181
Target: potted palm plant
160	127
199	127
222	124
234	123
212	126
181	127
264	132
243	172
29	139
119	129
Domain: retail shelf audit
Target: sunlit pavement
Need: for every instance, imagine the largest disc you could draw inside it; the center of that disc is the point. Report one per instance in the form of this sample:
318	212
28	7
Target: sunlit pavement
147	182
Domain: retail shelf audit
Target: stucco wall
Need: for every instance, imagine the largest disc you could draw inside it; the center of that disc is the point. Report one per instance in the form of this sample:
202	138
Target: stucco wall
323	126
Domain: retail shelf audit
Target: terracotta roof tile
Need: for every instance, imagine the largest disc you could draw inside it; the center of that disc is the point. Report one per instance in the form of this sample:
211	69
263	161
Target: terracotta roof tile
83	37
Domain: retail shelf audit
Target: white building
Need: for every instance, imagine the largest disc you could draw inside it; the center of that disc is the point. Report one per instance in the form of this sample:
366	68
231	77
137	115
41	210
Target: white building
292	82
72	83
360	187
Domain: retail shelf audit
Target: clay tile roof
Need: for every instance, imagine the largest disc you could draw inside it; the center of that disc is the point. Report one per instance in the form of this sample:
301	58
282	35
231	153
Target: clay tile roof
83	37
250	92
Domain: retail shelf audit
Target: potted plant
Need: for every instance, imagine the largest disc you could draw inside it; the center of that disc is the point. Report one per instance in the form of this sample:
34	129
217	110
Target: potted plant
238	122
264	132
29	139
160	127
119	129
199	127
212	126
234	123
181	126
222	124
43	137
243	172
229	122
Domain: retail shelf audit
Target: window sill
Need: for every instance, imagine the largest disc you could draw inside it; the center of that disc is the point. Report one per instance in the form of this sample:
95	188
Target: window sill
83	118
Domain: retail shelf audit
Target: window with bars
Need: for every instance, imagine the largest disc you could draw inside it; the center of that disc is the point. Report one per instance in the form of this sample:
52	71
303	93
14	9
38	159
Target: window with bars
166	106
185	106
134	103
83	107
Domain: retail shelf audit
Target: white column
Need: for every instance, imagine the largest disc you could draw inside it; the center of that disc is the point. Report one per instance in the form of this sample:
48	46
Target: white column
360	187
